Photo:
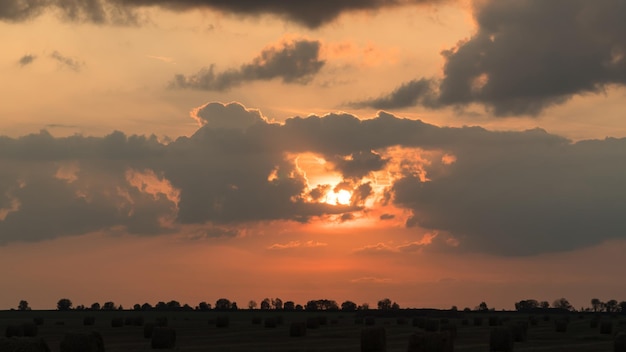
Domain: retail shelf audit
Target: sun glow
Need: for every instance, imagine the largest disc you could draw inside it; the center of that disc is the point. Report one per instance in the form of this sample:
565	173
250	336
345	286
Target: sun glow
341	197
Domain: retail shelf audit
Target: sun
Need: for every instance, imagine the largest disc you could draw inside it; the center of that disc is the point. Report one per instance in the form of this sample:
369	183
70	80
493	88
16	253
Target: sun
341	197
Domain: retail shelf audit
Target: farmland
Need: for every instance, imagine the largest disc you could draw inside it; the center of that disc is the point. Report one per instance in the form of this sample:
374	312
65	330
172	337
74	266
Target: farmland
246	330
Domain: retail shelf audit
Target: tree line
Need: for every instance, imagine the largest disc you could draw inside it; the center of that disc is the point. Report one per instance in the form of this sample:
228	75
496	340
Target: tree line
224	304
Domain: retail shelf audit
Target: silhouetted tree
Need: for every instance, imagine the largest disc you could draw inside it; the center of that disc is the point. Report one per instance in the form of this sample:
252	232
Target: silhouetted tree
136	306
311	305
544	304
364	306
289	305
277	303
482	307
384	304
527	304
203	306
299	307
80	307
222	304
454	309
562	303
596	304
64	304
95	306
109	306
348	306
161	306
23	305
186	307
233	306
173	305
622	307
266	304
252	304
611	306
146	306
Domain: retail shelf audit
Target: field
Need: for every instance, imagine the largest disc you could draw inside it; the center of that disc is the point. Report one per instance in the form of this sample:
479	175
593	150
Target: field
339	331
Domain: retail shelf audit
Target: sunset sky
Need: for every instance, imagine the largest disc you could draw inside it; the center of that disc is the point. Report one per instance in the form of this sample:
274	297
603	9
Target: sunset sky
437	153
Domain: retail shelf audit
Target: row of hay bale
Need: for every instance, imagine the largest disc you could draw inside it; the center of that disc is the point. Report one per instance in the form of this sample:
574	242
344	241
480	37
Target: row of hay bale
374	339
28	329
23	344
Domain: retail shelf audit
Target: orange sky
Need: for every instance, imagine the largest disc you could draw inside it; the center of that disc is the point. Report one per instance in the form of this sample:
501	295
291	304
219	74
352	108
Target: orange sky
241	152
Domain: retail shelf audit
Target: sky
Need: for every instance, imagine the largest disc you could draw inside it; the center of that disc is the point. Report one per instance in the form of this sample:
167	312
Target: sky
433	152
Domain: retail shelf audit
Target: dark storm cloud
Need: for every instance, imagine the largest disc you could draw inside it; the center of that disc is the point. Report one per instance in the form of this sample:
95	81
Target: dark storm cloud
526	56
505	193
308	13
67	62
26	60
293	62
95	11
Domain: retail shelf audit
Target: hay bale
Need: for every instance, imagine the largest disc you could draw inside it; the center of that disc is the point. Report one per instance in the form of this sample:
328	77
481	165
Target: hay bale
619	343
419	322
257	320
148	328
560	325
519	331
82	342
270	323
297	329
160	321
14	331
222	321
431	342
23	344
501	339
373	339
279	319
138	321
494	321
89	321
450	328
163	337
312	323
30	329
38	321
606	327
117	322
431	325
478	321
370	321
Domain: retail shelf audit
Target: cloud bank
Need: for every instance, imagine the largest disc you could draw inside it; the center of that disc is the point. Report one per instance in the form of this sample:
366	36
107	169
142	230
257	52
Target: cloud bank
309	14
293	62
506	193
525	57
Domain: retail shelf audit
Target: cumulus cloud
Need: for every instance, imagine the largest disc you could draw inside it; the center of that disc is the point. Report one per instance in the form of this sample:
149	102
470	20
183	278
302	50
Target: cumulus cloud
293	62
26	60
67	62
505	193
310	14
525	57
